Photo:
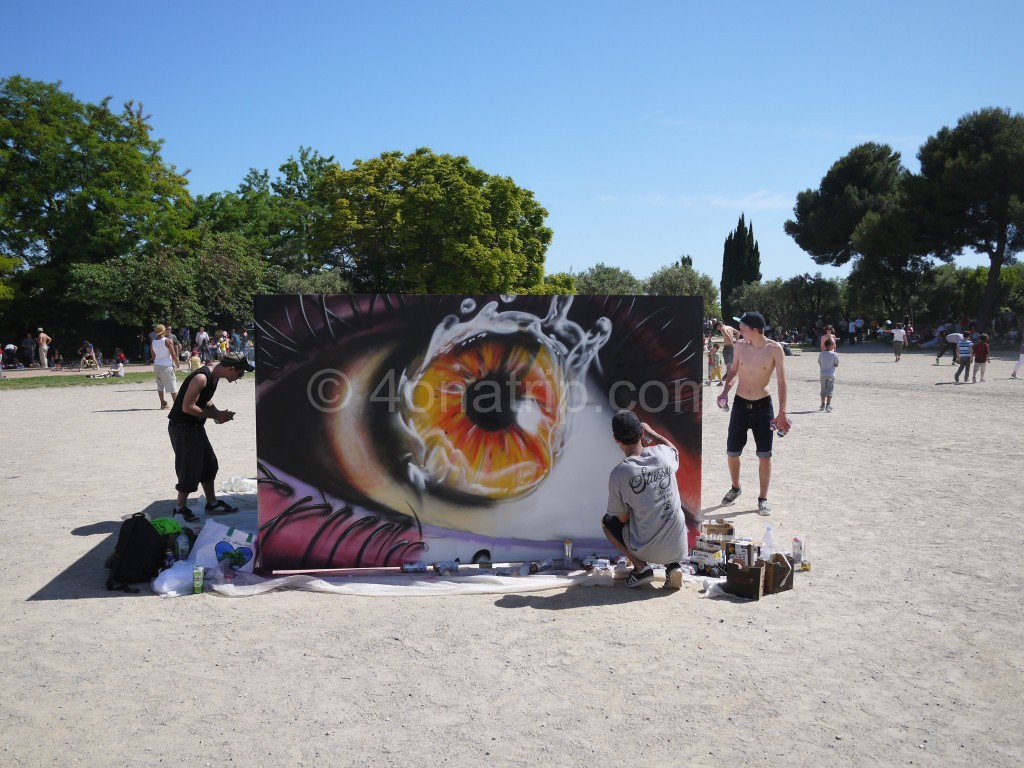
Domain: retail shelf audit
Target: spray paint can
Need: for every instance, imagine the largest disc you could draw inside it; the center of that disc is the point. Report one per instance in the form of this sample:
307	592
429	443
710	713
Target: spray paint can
447	568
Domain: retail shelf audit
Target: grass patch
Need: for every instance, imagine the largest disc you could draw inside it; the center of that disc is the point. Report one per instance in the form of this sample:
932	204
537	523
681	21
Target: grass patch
74	380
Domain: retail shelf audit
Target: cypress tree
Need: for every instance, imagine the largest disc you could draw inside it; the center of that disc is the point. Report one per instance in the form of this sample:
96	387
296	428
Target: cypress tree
741	263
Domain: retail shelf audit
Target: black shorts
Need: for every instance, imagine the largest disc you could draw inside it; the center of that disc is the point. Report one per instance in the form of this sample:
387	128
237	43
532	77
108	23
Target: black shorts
614	526
755	416
194	460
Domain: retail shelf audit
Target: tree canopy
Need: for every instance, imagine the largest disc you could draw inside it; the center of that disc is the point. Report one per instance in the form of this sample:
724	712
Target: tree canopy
427	223
602	280
682	279
972	181
79	183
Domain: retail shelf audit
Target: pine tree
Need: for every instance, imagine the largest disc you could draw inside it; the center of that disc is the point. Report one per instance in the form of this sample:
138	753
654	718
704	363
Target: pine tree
741	263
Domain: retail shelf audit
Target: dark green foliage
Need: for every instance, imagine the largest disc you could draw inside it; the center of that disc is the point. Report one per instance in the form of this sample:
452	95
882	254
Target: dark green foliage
741	263
972	181
79	184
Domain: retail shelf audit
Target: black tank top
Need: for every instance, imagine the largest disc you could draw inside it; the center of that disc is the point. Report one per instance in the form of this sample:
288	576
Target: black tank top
176	415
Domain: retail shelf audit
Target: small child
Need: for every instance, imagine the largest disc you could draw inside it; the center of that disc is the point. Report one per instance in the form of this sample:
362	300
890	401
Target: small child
717	364
981	354
828	361
194	363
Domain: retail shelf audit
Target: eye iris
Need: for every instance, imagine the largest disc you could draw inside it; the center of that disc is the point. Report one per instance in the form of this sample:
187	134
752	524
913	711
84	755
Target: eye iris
487	413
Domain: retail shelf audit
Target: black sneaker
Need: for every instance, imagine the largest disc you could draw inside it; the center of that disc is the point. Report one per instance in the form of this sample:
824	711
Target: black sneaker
639	578
730	497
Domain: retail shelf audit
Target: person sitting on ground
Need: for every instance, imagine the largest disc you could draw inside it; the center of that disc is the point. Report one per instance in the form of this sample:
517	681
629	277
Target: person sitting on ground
645	519
116	371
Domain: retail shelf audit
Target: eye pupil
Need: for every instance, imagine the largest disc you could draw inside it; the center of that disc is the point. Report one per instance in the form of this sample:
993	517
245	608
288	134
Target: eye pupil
488	404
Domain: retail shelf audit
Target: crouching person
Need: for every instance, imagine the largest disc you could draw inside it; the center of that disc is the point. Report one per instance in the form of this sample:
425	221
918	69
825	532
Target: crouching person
645	520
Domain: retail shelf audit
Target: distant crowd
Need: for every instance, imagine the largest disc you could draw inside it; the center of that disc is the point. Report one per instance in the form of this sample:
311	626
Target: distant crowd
39	350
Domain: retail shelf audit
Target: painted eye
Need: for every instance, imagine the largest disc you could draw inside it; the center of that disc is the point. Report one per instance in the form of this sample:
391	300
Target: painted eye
486	418
390	421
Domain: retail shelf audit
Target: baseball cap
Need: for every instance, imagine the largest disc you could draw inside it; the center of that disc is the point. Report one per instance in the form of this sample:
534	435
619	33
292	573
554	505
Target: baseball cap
752	320
626	427
237	360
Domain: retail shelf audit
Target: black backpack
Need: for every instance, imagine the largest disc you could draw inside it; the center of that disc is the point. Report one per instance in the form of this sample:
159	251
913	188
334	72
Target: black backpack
138	555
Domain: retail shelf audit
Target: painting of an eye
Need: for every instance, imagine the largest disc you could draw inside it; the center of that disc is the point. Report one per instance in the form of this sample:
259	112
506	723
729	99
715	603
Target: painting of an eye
485	417
393	428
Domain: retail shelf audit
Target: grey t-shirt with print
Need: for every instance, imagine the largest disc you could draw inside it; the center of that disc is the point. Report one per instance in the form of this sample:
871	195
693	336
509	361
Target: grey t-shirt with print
645	487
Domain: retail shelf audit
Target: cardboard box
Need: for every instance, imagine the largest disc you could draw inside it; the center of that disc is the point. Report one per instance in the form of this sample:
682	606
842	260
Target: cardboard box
745	551
778	574
719	529
744	582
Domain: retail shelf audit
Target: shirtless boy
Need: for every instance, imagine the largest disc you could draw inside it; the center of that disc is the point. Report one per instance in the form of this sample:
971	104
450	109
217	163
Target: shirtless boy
755	359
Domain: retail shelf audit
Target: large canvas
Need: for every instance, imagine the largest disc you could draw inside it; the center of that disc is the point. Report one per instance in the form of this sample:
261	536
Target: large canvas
399	428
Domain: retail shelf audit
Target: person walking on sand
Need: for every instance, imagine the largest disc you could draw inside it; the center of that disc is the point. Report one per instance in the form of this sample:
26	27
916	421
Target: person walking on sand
828	361
165	363
1020	361
756	359
981	354
899	339
964	356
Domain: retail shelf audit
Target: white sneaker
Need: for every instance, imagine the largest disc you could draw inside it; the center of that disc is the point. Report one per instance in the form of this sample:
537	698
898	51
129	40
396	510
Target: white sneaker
763	508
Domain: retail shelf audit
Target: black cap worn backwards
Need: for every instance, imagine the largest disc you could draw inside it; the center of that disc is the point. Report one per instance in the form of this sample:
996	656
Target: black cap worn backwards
626	427
753	320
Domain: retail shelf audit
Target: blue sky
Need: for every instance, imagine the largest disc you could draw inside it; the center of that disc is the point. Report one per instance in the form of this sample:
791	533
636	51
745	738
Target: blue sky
645	128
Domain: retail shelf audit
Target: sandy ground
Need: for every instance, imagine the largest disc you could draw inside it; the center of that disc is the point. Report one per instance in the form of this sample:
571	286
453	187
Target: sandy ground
903	645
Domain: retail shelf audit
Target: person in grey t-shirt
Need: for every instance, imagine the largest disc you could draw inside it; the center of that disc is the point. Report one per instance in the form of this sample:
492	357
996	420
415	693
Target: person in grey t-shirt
645	519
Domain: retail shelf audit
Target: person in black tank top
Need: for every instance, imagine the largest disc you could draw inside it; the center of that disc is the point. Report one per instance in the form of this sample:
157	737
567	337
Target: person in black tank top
195	463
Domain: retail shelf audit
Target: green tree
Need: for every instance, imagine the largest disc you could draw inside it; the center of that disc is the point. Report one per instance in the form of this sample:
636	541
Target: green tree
427	223
683	280
775	299
819	297
137	289
972	182
215	281
741	263
327	281
555	284
603	280
277	216
861	213
79	183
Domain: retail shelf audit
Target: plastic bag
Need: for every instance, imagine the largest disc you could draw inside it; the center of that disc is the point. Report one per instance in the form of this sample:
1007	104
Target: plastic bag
238	485
174	581
218	544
